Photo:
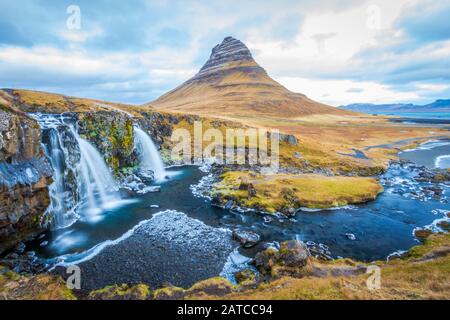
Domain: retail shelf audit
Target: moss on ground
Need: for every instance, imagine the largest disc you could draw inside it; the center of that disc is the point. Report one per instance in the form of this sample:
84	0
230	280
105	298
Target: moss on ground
40	287
121	292
279	192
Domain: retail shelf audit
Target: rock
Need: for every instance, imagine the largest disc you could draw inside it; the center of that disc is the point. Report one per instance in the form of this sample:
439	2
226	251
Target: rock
265	260
298	155
350	236
248	239
217	200
294	253
216	286
245	276
20	248
292	140
444	225
112	133
422	234
25	174
275	245
148	189
169	293
229	204
288	138
121	292
243	186
228	51
145	175
251	191
290	211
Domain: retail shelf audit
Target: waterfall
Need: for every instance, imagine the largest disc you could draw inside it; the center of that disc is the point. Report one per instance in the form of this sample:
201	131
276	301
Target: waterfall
82	183
97	183
63	202
149	156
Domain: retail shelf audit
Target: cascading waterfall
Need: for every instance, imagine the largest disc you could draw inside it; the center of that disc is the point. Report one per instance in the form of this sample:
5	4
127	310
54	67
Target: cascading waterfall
97	183
63	201
149	156
81	177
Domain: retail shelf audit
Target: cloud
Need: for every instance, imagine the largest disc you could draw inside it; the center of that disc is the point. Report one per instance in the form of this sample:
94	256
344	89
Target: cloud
133	51
427	22
339	92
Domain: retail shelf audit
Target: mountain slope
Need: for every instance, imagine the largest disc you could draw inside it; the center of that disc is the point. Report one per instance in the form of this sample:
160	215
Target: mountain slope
232	83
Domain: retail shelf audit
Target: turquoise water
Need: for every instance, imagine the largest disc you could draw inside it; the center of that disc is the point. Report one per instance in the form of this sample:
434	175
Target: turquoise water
422	115
377	228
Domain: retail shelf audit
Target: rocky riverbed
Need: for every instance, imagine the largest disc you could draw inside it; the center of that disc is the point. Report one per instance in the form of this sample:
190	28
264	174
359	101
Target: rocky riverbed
168	248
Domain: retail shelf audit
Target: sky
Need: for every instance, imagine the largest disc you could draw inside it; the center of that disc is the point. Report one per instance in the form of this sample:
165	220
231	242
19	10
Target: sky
334	51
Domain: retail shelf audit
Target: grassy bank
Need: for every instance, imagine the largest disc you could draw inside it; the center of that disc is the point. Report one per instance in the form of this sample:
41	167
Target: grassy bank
280	192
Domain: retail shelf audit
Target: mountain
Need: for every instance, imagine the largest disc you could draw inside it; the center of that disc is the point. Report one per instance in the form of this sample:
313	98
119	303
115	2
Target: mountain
440	105
232	83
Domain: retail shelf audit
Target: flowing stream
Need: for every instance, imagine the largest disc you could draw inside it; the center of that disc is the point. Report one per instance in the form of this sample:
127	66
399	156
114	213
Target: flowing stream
87	218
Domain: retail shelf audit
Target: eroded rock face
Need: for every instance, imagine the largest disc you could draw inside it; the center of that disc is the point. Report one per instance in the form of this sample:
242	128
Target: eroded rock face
229	51
112	134
25	174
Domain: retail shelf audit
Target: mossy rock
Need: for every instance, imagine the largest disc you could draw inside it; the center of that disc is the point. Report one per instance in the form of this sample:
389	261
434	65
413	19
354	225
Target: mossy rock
169	293
122	292
216	286
245	277
444	225
422	234
39	287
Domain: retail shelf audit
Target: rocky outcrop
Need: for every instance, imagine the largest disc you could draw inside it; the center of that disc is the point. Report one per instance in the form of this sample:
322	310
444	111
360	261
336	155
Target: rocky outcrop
25	174
291	257
112	134
225	54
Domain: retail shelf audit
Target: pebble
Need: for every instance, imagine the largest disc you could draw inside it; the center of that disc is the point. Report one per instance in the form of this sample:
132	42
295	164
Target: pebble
350	236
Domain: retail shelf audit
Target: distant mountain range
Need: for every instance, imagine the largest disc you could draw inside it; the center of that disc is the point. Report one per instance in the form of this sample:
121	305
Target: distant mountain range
441	105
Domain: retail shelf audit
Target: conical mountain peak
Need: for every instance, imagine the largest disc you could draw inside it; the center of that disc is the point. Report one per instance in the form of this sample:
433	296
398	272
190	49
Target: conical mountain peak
232	83
229	51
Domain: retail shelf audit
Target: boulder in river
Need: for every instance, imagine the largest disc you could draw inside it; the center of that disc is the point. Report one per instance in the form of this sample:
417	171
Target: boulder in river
292	255
248	239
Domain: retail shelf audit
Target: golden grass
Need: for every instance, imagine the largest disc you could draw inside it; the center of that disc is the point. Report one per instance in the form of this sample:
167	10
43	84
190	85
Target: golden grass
36	101
280	191
411	278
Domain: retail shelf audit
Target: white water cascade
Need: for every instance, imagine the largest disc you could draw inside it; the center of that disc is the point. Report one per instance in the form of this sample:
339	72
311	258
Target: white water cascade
83	186
97	184
149	156
62	204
